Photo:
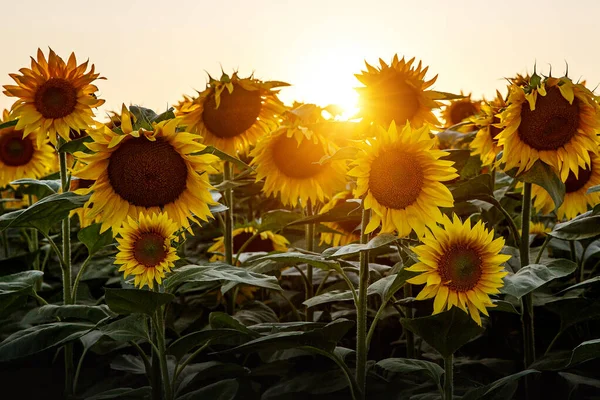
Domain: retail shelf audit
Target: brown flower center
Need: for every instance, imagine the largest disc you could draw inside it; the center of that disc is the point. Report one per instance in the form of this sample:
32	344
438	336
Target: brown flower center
460	267
393	99
461	110
396	179
257	244
573	184
147	174
237	112
553	122
149	249
14	150
56	98
296	161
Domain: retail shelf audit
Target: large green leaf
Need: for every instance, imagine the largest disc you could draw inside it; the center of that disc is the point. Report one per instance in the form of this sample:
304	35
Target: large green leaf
221	320
127	301
386	287
44	214
41	337
584	226
223	390
220	272
543	175
231	337
124	394
300	258
487	391
93	314
73	146
131	327
329	297
276	220
324	338
308	383
586	351
446	332
473	188
392	367
532	276
381	240
91	237
38	188
21	283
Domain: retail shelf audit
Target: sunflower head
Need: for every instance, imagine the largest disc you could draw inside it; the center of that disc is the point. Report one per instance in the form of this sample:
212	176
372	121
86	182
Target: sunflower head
147	171
288	160
53	96
233	112
459	110
399	176
397	92
145	248
553	120
460	266
348	230
249	239
485	144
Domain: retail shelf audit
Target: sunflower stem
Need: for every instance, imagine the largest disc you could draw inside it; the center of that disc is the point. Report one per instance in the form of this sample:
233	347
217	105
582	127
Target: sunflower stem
228	234
162	353
410	337
78	278
33	248
310	240
527	305
449	377
361	308
540	253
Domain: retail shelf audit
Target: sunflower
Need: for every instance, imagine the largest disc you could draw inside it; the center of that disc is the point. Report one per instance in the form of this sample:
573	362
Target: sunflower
397	92
347	229
54	96
554	120
400	175
233	112
288	161
146	171
461	266
485	144
459	110
576	200
263	241
23	157
539	229
145	248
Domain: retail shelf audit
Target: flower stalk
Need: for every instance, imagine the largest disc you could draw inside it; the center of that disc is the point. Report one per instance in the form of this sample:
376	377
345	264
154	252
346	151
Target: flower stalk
310	242
449	377
361	308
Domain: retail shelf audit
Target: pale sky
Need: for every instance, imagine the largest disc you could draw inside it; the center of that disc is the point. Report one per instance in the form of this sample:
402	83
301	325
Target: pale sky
153	51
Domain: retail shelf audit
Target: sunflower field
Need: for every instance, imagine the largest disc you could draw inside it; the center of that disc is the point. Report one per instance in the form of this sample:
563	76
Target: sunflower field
434	246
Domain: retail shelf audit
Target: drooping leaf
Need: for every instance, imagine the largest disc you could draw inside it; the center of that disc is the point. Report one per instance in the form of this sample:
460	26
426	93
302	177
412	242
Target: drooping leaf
129	363
486	392
21	283
124	394
225	157
386	287
222	390
308	383
543	175
446	332
75	145
131	327
532	276
127	301
38	188
329	297
220	320
381	240
391	367
185	344
91	237
45	213
301	258
584	226
93	314
165	116
276	220
473	188
220	272
41	337
586	351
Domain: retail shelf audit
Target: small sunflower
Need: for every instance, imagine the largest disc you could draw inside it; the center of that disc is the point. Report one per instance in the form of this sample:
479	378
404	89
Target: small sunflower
288	161
459	110
400	175
54	96
397	92
554	120
347	229
146	171
233	112
539	229
576	200
485	144
145	248
461	266
264	241
23	157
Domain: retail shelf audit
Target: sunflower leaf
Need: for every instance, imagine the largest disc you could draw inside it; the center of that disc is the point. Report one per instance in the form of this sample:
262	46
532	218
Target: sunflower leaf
446	332
543	175
38	188
127	301
489	390
390	368
532	276
300	258
225	157
473	188
593	189
584	226
378	241
73	146
91	237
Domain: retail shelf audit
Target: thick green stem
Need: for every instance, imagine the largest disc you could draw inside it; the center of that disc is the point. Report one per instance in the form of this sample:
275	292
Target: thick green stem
310	240
361	308
66	268
34	247
155	373
162	353
527	317
539	255
228	231
410	337
78	278
449	377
